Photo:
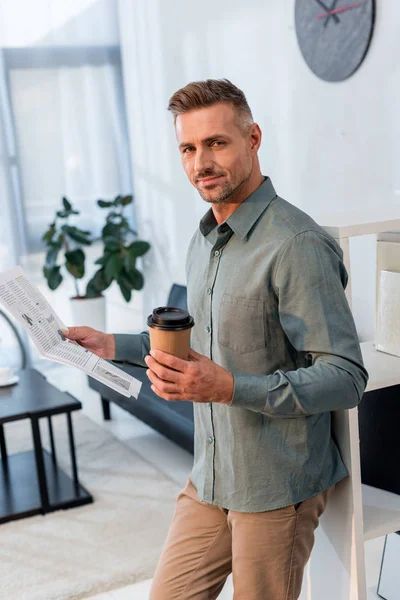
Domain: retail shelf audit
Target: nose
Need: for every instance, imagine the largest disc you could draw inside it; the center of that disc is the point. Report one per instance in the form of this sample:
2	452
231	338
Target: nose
203	161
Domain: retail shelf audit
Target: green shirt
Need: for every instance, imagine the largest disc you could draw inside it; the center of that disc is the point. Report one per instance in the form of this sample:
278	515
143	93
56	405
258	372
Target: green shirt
266	290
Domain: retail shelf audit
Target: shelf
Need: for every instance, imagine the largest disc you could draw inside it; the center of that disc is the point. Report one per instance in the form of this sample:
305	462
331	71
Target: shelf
381	512
349	225
19	490
383	369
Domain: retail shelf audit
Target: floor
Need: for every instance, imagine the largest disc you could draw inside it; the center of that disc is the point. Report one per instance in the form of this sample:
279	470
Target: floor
172	460
175	462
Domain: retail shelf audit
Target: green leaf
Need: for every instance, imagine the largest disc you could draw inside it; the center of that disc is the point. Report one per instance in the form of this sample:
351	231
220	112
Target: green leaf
136	279
77	234
104	203
80	238
76	257
117	201
129	261
110	230
91	291
63	214
52	254
48	236
81	231
99	282
125	291
113	267
139	248
67	205
112	243
126	200
124	279
75	263
77	271
103	259
53	277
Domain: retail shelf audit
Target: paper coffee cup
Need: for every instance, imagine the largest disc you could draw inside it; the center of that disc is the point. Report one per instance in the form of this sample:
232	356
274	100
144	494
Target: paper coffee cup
170	329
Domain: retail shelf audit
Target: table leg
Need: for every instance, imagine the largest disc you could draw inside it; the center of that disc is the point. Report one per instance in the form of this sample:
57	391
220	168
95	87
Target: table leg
72	451
52	445
41	472
106	409
3	446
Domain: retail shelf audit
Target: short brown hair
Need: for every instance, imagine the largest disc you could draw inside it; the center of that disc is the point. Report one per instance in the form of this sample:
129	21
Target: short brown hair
202	94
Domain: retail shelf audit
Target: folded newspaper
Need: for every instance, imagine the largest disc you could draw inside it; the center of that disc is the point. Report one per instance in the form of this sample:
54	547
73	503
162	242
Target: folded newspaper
30	308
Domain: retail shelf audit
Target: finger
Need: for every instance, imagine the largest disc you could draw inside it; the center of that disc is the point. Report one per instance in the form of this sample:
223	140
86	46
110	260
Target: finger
171	361
76	333
195	355
165	396
162	371
164	386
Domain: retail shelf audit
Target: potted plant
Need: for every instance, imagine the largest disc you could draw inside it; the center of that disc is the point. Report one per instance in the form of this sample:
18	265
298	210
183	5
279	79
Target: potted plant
65	241
121	249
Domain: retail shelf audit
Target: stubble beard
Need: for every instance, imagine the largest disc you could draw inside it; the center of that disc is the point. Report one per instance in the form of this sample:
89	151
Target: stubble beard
225	194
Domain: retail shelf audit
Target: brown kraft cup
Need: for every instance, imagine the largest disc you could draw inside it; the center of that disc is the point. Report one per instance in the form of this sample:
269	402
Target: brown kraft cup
170	329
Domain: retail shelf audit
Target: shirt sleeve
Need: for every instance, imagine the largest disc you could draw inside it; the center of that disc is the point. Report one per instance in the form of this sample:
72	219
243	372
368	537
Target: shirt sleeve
132	348
310	279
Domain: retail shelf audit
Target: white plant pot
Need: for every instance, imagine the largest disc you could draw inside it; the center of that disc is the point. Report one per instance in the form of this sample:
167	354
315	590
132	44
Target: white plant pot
90	312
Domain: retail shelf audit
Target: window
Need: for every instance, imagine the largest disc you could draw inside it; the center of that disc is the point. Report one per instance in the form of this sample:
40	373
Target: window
68	123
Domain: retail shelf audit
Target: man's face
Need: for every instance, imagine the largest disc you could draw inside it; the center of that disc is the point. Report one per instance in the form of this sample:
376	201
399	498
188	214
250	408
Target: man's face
215	151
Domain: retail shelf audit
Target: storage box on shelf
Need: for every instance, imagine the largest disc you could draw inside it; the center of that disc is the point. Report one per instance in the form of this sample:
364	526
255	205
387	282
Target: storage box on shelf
356	512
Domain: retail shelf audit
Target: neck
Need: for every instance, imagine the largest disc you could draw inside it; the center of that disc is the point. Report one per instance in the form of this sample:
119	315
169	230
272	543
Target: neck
225	209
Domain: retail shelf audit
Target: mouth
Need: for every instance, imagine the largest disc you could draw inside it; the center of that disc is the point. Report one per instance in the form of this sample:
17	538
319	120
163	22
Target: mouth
208	180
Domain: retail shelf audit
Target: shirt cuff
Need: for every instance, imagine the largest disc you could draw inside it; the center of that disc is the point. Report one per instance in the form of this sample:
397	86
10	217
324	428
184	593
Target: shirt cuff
128	348
249	391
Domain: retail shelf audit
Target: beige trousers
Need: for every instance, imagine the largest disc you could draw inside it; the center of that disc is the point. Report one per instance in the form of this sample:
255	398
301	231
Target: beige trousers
266	552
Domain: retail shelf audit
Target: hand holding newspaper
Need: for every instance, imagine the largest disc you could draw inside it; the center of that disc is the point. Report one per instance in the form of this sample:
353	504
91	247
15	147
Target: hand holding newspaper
30	308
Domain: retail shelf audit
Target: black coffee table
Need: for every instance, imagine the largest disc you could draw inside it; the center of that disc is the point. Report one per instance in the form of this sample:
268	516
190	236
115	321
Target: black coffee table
31	482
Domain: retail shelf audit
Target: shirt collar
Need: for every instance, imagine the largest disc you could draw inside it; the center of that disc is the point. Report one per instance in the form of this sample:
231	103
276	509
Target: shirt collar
245	216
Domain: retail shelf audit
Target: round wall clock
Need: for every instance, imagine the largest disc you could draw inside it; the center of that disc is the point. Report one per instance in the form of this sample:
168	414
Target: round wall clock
334	35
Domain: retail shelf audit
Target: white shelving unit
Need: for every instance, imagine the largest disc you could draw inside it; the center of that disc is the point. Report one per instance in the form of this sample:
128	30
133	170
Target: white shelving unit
344	228
356	513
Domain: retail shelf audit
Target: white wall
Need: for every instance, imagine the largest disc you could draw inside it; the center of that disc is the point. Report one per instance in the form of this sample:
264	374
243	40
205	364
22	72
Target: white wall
329	148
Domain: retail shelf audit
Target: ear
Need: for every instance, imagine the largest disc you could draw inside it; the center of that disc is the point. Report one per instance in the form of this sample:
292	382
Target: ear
255	136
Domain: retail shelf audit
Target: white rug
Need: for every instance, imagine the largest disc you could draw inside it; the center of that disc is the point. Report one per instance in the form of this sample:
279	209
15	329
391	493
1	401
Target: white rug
82	551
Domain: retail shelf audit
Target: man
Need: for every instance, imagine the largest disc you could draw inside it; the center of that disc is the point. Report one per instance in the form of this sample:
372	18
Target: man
274	351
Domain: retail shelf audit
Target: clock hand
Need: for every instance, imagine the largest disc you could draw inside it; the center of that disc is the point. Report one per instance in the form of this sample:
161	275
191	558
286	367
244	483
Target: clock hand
334	17
330	15
339	10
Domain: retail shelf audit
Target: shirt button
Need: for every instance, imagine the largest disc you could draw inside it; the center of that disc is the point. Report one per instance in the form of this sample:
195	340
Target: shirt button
209	291
217	253
208	329
210	440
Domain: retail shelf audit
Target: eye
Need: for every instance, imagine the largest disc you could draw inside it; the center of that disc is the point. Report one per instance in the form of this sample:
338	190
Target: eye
218	143
187	149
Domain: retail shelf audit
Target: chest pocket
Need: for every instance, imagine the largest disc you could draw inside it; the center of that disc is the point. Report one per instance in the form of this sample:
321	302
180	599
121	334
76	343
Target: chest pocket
241	324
